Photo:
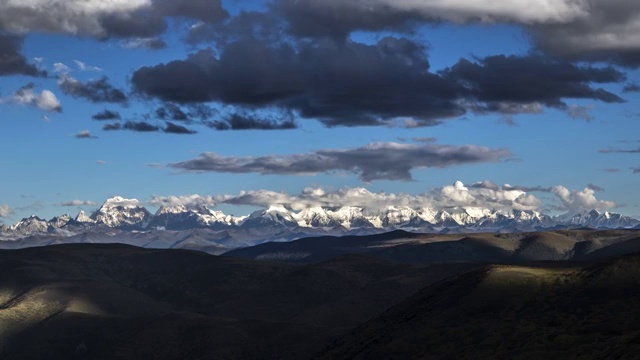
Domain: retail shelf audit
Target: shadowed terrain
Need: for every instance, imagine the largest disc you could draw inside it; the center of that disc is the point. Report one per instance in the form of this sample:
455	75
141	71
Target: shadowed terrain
107	301
117	301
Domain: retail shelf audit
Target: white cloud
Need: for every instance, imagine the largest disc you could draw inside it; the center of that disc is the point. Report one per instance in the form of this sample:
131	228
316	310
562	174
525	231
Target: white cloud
580	200
45	100
5	211
60	68
84	67
189	201
456	195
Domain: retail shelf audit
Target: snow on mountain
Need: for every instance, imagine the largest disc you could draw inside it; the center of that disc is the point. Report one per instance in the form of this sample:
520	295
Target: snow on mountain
596	219
60	221
30	225
182	218
277	216
123	213
83	218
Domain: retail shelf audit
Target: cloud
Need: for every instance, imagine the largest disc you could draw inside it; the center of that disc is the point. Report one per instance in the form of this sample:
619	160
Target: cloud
112	127
606	31
636	170
150	43
338	18
341	84
252	122
100	162
611	150
532	79
84	134
12	61
97	91
631	88
443	198
346	83
188	201
5	211
171	112
60	68
103	19
172	128
375	161
612	170
45	100
139	126
106	115
574	201
78	203
574	29
84	67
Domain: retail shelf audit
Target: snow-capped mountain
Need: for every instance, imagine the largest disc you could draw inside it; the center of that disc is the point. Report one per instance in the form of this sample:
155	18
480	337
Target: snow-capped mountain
129	214
596	219
122	213
30	225
181	217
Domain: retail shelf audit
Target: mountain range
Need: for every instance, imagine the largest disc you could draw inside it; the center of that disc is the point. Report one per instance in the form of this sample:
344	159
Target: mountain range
128	219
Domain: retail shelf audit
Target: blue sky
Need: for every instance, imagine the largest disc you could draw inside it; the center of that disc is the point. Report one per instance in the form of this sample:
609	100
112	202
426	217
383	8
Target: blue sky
45	165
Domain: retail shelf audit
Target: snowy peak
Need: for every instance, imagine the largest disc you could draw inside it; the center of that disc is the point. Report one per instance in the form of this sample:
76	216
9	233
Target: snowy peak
595	219
30	225
124	213
83	218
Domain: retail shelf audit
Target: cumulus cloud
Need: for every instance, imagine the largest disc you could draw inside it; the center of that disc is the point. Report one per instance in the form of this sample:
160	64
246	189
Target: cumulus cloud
375	161
45	100
447	197
74	203
340	17
103	19
188	201
580	200
97	91
346	83
5	211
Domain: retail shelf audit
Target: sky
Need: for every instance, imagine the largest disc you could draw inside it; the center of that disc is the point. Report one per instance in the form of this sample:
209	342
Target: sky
238	105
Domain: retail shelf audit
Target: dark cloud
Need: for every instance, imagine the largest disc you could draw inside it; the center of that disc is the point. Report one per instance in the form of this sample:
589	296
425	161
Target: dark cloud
611	150
316	18
172	128
11	59
612	170
139	126
104	19
97	91
112	127
345	83
531	79
341	84
376	161
251	122
606	31
631	88
636	170
106	115
595	188
171	112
